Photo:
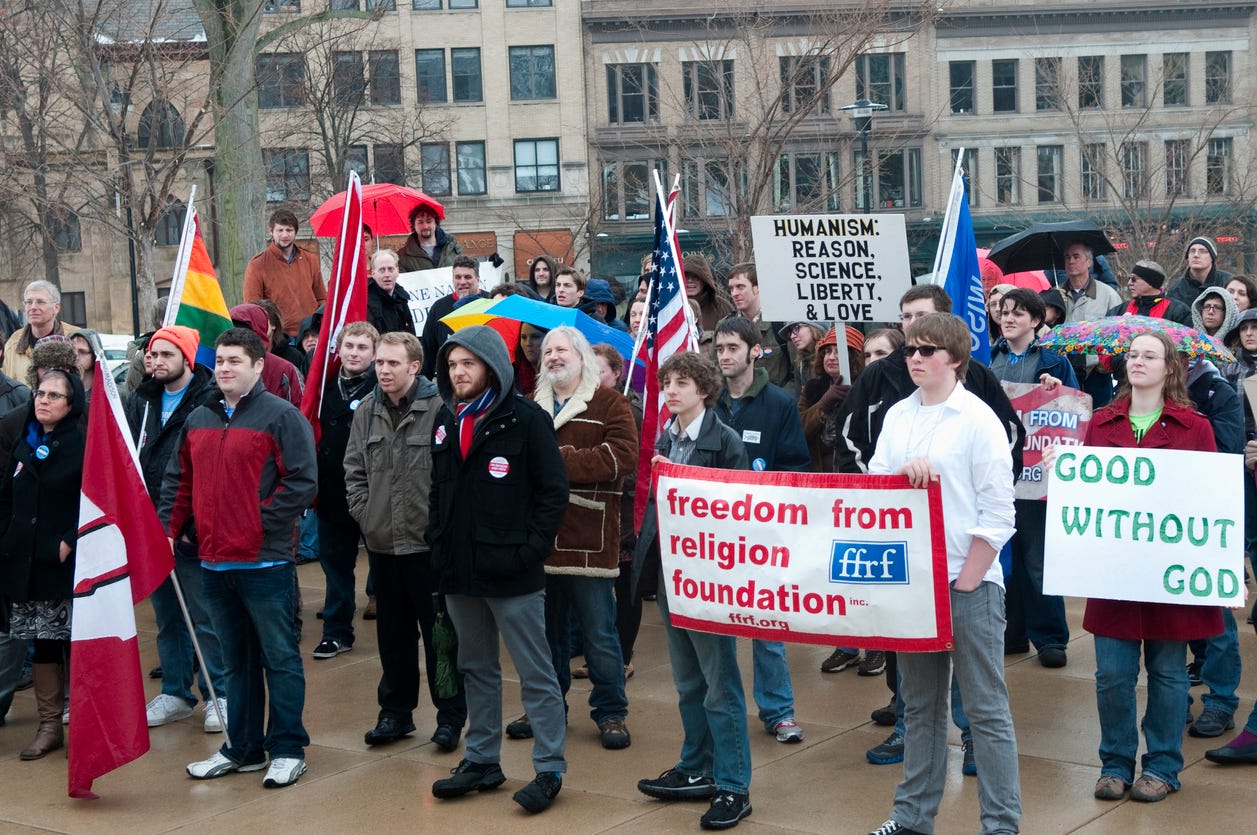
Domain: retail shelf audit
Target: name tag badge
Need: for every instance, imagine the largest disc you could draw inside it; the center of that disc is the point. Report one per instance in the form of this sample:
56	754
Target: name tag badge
750	436
498	467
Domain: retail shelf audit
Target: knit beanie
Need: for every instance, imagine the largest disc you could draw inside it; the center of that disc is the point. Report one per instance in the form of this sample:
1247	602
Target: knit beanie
1149	271
182	337
1207	243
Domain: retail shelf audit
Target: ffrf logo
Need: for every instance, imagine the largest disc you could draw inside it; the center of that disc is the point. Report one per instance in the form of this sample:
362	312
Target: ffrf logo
880	563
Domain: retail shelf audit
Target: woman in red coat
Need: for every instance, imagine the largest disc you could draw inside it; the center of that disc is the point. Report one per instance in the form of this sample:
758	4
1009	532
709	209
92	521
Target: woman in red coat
1152	411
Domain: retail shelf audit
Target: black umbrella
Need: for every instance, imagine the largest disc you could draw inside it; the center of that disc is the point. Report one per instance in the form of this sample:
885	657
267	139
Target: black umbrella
1042	246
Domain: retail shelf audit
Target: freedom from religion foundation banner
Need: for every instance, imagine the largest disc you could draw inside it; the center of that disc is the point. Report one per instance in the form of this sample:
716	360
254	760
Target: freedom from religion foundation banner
812	558
1154	525
1059	417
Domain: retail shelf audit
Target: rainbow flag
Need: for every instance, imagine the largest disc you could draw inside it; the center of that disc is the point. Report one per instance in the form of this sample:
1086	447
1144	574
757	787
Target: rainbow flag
196	299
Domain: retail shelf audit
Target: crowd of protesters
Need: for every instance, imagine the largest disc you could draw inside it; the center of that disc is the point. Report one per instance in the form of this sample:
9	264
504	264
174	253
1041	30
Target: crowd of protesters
492	488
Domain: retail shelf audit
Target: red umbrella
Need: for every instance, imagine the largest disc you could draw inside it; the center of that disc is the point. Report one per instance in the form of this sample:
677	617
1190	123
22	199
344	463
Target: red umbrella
385	208
991	275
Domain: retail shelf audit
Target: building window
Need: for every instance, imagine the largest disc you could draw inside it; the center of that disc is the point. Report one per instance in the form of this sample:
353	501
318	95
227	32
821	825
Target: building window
471	168
632	93
369	5
386	83
1047	90
880	78
532	72
970	170
707	188
425	5
1134	156
962	74
1217	78
430	75
1174	79
1008	176
281	78
1218	166
435	159
1134	80
287	174
1004	86
390	164
806	182
64	229
627	191
896	182
356	161
805	83
348	86
278	6
1178	152
536	165
170	225
1090	82
709	89
527	4
1092	164
465	67
160	126
1050	173
456	5
74	308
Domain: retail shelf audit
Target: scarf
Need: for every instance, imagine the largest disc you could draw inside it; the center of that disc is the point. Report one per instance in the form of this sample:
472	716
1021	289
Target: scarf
467	414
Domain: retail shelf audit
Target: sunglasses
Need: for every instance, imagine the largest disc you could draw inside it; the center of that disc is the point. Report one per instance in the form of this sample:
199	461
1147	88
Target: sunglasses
910	351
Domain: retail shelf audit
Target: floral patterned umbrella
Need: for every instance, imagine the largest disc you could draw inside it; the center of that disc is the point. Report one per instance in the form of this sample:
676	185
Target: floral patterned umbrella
1111	336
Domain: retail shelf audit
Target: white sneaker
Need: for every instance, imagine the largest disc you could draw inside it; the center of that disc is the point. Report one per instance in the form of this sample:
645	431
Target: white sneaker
165	709
284	771
213	721
219	765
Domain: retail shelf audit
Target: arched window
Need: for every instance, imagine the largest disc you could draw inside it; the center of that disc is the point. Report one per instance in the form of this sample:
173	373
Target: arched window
170	224
161	125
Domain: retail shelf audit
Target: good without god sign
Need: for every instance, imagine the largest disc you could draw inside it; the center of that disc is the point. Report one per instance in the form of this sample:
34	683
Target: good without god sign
808	558
831	268
1154	525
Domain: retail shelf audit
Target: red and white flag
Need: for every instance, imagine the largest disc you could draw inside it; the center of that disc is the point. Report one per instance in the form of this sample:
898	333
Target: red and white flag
346	302
121	557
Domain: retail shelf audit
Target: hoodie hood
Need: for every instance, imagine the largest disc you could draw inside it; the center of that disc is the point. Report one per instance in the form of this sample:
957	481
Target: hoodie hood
1229	319
487	344
1233	338
253	317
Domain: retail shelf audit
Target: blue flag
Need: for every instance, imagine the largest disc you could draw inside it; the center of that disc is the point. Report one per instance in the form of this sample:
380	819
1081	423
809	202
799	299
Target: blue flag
959	272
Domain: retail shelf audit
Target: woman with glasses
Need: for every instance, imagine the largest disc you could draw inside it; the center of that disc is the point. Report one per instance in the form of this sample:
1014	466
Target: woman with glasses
39	515
1214	312
1152	410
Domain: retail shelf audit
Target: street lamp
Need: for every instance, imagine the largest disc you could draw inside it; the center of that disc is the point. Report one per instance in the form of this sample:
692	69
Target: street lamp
862	117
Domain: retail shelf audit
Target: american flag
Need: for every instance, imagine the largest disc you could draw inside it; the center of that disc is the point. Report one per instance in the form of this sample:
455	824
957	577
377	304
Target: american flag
668	329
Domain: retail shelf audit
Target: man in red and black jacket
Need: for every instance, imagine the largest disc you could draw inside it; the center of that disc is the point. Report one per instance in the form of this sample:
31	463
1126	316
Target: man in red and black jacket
244	471
1146	299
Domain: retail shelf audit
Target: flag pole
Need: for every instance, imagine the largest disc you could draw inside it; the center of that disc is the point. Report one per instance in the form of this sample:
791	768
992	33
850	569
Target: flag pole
184	255
947	217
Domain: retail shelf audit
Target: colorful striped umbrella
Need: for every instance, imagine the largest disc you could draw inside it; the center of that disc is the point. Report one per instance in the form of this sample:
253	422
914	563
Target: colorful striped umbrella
1111	336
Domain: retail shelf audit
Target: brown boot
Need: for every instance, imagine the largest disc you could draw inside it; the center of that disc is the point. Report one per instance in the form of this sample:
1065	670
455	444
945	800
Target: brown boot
50	698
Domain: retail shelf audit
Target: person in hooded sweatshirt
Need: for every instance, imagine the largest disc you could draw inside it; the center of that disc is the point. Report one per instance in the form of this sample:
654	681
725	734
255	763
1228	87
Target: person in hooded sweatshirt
279	376
499	493
599	303
1215	312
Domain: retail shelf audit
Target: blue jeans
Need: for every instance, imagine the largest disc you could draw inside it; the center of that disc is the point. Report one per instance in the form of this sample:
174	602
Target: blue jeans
174	645
1117	670
593	601
977	663
338	554
253	611
1221	669
308	544
774	692
712	703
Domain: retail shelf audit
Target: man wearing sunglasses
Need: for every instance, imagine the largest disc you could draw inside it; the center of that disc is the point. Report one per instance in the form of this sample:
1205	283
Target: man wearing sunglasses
1146	299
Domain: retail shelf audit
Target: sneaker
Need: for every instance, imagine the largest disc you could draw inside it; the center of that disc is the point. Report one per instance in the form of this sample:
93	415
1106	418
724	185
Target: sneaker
1212	722
874	663
540	793
787	731
615	734
469	777
727	808
215	719
968	766
65	713
218	766
284	771
839	661
330	649
164	709
1150	790
884	716
673	785
893	828
888	753
521	728
1109	787
1193	674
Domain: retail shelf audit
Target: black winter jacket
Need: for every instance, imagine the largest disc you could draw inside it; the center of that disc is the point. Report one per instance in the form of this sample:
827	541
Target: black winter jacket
767	420
336	417
157	443
389	313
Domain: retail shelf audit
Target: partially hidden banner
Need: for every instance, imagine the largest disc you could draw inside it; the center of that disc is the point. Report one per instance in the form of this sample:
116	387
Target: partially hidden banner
1059	417
426	286
1154	525
804	557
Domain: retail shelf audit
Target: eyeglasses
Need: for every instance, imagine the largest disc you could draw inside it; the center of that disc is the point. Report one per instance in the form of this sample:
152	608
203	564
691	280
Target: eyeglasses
51	396
1213	308
910	351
